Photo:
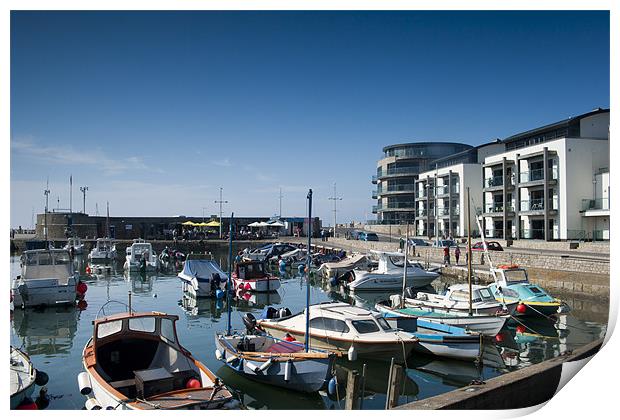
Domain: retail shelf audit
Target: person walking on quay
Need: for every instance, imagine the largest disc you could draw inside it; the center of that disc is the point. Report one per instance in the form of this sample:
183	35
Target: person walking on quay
457	254
446	255
401	244
322	235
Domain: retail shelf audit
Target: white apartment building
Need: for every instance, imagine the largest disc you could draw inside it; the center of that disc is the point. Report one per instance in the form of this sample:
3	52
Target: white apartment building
551	182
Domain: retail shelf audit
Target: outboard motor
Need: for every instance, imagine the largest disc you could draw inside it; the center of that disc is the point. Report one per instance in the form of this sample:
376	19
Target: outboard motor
250	323
284	312
271	312
410	293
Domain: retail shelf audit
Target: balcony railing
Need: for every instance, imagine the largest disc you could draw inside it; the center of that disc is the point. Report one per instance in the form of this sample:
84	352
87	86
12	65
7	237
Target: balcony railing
397	171
376	192
374	179
398	188
537	175
538	233
533	205
497	208
595	204
494	181
395	206
375	209
425	212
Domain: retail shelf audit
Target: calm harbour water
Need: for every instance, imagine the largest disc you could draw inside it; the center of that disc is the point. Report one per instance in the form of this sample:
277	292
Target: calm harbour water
55	337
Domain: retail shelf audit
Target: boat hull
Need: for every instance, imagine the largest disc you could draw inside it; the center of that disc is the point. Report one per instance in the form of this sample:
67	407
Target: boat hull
22	378
371	281
257	285
305	375
44	292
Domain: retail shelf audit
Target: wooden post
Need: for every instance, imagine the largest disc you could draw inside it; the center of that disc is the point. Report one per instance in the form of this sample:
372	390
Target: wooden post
353	389
394	386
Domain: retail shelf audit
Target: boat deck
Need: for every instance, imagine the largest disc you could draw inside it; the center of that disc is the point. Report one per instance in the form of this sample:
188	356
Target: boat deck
203	397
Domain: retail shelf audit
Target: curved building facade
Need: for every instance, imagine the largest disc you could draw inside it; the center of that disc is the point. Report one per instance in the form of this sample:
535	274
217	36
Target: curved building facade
397	172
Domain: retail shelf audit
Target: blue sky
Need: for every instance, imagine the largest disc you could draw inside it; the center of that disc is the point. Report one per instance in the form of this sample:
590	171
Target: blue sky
154	111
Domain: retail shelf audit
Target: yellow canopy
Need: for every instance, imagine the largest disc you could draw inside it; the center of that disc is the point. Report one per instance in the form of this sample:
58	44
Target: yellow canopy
202	224
213	223
188	223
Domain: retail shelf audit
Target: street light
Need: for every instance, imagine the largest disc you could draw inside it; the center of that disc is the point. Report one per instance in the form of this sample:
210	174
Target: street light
220	203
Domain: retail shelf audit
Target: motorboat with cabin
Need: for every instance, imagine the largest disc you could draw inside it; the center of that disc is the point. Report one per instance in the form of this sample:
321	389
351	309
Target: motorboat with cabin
268	251
47	278
104	250
134	361
512	286
389	274
23	378
202	276
343	328
457	300
251	276
140	257
336	269
74	244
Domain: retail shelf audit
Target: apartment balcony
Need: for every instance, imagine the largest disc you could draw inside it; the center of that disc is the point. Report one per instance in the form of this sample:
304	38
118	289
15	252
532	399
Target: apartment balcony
497	209
445	212
396	172
422	213
537	176
405	206
539	233
376	193
537	205
375	209
374	179
595	204
496	183
397	189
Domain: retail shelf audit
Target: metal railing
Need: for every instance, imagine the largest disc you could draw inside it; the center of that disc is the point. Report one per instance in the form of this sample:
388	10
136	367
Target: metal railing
497	208
425	212
494	181
537	175
397	171
595	204
397	188
374	179
533	205
443	189
538	233
375	209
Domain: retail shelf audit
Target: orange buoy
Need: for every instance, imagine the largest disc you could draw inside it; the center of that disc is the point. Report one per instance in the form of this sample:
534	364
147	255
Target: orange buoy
193	383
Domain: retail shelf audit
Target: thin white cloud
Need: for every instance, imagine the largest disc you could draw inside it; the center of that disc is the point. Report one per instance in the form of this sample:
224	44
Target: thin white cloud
223	162
67	155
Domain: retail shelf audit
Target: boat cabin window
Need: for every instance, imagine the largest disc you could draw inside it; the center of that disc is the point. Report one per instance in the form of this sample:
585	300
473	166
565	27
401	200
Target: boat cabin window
506	292
60	258
536	290
105	329
329	324
365	326
398	262
142	324
251	271
515	276
167	329
485	294
383	324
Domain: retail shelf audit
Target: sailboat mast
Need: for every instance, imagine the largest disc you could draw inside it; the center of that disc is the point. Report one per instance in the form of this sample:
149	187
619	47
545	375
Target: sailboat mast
228	283
107	220
308	260
406	250
469	254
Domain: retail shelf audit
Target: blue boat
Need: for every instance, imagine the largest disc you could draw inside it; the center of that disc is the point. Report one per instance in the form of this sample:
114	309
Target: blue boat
512	285
202	276
440	339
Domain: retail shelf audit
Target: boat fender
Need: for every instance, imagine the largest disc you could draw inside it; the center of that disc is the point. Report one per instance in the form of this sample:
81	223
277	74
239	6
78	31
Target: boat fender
22	289
352	354
284	312
81	288
288	367
396	301
231	359
265	366
219	294
521	308
193	383
218	354
84	383
92	404
332	386
41	378
252	366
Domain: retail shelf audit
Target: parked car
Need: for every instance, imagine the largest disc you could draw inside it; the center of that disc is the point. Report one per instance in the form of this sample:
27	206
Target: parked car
418	242
450	243
491	245
354	234
368	236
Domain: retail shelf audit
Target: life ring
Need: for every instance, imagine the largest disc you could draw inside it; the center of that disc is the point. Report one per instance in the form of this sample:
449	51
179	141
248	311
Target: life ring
507	266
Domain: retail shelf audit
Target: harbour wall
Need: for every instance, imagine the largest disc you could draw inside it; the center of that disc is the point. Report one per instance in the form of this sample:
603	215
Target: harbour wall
523	388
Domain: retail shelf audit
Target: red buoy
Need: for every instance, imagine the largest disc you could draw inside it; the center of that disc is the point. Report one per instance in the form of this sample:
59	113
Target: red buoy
520	329
521	308
499	337
82	304
289	337
27	404
193	383
88	270
81	288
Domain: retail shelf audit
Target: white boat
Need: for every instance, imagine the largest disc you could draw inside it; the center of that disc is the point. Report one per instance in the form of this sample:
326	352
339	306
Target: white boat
456	300
22	377
346	329
134	361
140	257
202	276
336	269
487	325
251	276
389	274
104	249
47	278
76	244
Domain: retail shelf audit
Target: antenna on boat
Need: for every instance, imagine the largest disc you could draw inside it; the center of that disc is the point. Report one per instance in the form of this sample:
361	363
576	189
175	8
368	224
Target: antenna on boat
469	253
230	240
406	251
308	260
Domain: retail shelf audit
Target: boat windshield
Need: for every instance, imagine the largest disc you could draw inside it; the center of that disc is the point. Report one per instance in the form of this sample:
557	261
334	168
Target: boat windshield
251	271
515	276
398	262
383	324
140	249
365	326
486	294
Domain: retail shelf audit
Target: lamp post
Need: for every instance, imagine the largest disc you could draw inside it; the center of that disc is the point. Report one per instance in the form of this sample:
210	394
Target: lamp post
84	189
220	202
335	198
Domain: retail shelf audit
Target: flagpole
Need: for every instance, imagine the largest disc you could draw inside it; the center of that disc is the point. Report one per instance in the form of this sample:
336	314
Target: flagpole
308	260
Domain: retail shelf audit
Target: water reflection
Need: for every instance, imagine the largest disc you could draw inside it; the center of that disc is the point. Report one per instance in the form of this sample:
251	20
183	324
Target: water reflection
46	331
202	308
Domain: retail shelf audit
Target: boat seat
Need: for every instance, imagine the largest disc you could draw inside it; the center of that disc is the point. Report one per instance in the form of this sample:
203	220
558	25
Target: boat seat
123	384
285	347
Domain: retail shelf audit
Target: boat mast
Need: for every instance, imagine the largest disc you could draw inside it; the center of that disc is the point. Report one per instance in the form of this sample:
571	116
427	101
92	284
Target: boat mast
46	192
308	260
406	251
107	220
230	239
469	253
